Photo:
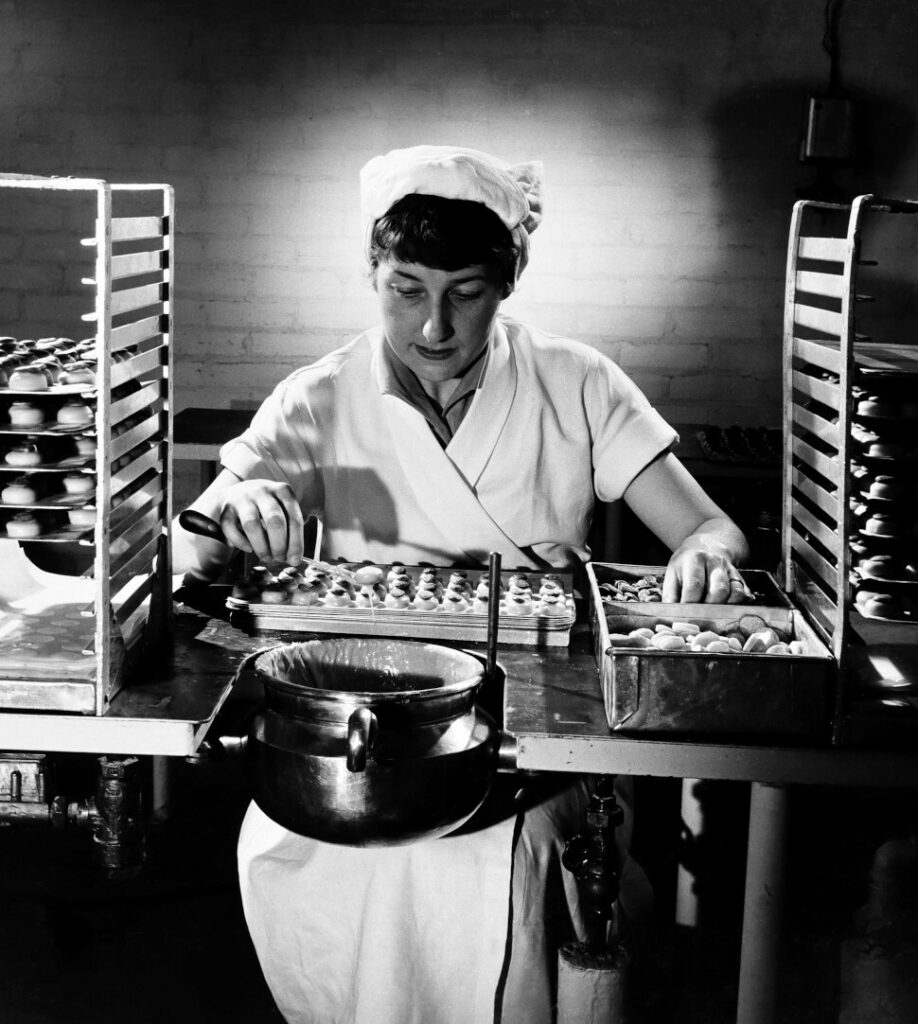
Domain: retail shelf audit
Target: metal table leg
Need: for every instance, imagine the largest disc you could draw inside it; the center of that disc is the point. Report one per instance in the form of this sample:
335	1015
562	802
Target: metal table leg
762	905
161	789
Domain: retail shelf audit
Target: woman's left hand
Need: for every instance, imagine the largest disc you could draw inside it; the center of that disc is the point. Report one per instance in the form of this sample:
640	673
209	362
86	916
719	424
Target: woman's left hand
700	571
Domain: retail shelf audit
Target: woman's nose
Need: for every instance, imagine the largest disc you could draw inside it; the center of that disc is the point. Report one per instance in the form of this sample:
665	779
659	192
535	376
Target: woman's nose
437	327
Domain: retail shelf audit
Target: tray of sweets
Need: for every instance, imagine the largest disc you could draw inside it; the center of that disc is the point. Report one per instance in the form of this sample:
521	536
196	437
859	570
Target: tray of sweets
619	582
427	602
753	669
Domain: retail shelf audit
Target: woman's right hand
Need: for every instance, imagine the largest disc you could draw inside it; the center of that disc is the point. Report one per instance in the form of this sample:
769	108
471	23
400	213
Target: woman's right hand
262	517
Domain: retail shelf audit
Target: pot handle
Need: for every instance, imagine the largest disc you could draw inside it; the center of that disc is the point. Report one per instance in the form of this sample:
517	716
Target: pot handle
361	735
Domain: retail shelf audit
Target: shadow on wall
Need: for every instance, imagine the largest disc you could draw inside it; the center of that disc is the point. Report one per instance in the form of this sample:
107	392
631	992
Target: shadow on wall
885	139
760	127
756	133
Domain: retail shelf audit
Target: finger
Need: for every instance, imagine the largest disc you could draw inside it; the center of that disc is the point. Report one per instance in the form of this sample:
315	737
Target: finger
684	581
694	585
245	529
671	589
275	526
739	592
719	585
295	552
235	532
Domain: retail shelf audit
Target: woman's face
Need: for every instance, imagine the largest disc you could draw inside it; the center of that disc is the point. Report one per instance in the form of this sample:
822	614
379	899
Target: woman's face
437	321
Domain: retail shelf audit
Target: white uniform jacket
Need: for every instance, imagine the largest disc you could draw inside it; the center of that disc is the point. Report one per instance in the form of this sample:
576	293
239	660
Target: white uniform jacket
553	423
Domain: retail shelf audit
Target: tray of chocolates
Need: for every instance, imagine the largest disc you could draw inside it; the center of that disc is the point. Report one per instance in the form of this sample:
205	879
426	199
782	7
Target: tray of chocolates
426	602
750	669
57	365
616	583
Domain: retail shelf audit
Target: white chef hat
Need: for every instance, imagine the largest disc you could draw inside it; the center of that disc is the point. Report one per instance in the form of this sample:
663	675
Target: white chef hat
512	191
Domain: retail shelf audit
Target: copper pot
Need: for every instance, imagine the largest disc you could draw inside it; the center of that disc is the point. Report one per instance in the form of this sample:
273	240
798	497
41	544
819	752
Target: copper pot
369	741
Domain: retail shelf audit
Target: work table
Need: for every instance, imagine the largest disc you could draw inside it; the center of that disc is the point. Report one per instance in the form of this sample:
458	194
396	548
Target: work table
552	706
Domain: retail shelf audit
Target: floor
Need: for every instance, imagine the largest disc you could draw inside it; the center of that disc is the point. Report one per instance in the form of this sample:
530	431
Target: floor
170	945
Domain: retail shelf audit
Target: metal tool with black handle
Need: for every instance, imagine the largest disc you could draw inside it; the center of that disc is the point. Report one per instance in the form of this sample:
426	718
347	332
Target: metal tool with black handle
201	525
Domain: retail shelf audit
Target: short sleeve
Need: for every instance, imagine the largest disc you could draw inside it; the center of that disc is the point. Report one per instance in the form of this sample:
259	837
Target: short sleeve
628	433
280	443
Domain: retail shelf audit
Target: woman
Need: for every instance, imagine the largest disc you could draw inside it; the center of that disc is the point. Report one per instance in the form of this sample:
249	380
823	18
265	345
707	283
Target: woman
445	433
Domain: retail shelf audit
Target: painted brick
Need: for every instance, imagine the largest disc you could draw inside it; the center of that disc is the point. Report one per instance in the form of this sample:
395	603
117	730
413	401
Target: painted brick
713	386
60	313
713	323
10	313
626	262
271	315
661	356
763	359
670	169
655	387
12	246
224	345
722	412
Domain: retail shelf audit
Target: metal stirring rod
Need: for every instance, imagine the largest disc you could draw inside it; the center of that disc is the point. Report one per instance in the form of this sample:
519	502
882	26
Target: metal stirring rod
493	612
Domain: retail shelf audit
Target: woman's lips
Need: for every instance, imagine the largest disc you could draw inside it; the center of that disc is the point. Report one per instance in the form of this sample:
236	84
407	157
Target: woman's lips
435	354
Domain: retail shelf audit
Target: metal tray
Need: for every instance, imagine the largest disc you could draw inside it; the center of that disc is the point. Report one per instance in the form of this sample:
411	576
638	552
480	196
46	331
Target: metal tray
743	695
535	629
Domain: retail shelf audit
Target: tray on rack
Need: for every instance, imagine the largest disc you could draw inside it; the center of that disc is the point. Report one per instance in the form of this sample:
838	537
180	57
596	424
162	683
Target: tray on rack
70	463
881	360
46	427
51	390
532	627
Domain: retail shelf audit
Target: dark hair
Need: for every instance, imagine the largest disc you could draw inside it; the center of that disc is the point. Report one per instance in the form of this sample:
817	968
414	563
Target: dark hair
446	234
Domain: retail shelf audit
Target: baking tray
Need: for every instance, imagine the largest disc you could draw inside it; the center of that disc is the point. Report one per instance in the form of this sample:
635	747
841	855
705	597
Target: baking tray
687	692
533	629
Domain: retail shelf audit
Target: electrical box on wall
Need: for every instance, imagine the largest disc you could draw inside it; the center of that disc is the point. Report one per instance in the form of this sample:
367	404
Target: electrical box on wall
828	134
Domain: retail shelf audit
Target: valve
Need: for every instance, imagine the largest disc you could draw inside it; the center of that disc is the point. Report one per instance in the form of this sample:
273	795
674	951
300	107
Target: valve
592	858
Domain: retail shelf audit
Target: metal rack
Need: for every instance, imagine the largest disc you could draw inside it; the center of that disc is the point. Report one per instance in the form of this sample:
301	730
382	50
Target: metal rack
126	549
822	351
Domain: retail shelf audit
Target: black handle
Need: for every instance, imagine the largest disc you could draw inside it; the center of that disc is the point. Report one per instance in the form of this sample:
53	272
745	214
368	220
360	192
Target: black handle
203	526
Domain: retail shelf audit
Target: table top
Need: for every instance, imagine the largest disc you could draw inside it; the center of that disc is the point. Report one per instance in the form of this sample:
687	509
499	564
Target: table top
552	707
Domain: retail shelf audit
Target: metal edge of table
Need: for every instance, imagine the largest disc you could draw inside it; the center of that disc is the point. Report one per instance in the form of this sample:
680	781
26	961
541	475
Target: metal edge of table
554	709
167	714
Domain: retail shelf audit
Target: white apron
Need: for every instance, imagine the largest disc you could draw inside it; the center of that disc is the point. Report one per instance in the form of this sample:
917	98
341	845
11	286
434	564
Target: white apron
459	930
411	934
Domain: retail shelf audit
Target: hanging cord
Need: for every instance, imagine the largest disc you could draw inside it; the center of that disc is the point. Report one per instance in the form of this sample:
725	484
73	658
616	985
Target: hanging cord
832	16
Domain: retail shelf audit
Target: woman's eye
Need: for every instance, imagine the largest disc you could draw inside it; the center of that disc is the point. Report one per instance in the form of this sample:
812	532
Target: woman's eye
406	293
467	296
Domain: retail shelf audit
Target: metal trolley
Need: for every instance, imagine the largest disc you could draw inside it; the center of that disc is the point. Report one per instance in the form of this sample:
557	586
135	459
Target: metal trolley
835	423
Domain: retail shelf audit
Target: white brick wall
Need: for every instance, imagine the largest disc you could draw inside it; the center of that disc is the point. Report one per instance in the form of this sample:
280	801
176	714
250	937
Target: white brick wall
669	133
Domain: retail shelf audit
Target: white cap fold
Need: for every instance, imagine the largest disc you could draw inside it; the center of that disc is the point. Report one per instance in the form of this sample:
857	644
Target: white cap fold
512	191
